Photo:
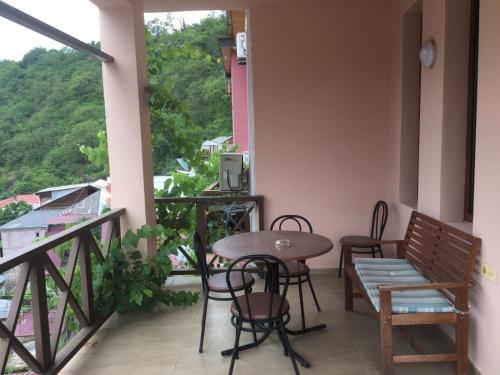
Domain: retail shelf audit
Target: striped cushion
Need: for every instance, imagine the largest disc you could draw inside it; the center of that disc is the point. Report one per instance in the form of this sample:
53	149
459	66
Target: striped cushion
379	271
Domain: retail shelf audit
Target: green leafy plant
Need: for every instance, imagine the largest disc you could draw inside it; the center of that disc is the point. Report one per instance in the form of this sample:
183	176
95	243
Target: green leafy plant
13	211
129	282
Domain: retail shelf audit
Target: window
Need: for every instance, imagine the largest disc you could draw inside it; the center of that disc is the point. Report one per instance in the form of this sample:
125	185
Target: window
472	112
410	117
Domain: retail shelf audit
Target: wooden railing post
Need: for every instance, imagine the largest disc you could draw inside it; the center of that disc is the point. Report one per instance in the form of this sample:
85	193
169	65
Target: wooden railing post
260	212
201	222
40	313
86	279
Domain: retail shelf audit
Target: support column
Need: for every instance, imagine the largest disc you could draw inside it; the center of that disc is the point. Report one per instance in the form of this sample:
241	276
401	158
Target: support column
127	115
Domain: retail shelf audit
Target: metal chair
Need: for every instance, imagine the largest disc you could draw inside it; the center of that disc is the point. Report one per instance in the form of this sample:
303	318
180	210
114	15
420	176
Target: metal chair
379	220
216	283
262	312
299	271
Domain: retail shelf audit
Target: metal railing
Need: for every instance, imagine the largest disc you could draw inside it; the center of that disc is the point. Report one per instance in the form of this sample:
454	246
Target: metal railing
34	268
204	209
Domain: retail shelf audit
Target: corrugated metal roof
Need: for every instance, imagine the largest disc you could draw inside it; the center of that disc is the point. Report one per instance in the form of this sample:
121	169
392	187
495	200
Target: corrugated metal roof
34	219
98	184
217	141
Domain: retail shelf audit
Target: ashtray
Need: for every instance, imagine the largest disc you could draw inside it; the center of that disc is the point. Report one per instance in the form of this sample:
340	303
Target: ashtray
282	243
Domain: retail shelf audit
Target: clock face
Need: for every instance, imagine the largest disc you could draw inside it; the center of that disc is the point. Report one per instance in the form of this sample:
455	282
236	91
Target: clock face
428	54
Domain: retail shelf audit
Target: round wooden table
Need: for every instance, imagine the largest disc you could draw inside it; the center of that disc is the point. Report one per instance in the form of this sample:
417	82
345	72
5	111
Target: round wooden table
303	245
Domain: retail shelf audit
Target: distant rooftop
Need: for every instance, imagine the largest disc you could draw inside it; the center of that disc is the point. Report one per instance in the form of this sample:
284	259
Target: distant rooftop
34	219
101	184
31	199
217	141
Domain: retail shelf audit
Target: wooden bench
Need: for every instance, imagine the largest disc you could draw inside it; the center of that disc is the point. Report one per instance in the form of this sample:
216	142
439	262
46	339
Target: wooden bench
445	258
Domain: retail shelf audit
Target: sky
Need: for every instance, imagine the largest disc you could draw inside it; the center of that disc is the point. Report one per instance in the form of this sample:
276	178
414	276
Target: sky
79	18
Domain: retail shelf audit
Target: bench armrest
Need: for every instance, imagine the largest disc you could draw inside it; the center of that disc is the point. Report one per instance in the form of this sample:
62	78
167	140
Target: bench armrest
443	285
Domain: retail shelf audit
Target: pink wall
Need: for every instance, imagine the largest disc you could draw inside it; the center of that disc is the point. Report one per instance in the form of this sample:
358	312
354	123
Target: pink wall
15	240
321	126
485	304
485	337
239	103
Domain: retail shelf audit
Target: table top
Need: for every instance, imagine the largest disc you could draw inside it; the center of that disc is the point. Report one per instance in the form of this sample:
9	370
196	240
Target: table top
303	245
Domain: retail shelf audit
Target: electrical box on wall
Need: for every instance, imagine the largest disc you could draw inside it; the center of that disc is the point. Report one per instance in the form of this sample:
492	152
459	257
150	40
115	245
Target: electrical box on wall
230	172
489	272
241	48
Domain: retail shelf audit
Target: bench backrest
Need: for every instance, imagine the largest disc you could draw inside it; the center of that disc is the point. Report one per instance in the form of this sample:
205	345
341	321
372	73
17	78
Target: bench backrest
440	251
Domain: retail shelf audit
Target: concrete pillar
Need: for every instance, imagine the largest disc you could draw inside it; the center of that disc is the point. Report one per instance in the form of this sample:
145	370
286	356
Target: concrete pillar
127	115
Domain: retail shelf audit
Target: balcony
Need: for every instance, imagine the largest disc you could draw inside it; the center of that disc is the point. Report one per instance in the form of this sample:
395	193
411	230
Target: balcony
330	131
166	340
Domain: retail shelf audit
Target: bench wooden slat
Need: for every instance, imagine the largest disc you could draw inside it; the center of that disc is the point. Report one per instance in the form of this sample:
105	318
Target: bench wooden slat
443	235
422	235
439	224
436	261
456	263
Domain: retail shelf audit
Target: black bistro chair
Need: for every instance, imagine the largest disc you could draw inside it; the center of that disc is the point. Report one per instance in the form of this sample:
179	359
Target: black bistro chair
367	244
216	283
260	312
299	271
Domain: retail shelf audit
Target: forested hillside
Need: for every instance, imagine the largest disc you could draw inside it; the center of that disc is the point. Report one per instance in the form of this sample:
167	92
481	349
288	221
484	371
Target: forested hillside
51	102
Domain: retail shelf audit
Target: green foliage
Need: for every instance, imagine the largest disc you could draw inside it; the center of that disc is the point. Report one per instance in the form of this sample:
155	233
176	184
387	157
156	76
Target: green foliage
179	218
128	282
51	107
98	155
13	211
49	102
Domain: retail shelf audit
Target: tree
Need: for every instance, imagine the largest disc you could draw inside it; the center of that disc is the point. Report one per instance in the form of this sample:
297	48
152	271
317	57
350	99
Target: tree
51	104
13	211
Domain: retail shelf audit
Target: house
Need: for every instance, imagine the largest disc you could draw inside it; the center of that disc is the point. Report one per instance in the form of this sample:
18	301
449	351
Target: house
236	72
32	199
69	191
61	205
216	144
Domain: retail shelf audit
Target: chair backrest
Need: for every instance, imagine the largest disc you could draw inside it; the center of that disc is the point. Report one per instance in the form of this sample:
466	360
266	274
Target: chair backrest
379	220
301	222
441	252
276	269
201	259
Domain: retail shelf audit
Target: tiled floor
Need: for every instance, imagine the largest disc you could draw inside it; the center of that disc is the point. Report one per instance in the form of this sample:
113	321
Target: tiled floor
166	342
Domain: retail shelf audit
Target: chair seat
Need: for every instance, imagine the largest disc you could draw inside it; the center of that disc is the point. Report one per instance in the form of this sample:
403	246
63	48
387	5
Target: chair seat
375	272
358	241
260	304
295	269
218	282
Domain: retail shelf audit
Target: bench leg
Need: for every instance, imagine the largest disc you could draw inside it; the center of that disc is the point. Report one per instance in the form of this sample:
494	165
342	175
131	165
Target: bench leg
386	360
348	293
461	334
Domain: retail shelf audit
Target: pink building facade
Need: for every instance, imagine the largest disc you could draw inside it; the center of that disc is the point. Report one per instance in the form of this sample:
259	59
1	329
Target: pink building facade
239	104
